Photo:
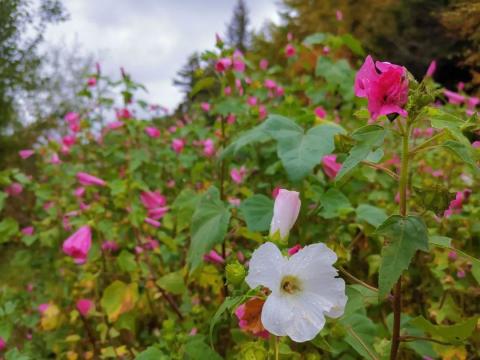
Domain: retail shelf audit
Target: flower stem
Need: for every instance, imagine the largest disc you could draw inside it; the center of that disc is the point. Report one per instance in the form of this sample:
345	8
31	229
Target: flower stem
397	293
222	197
355	279
277	354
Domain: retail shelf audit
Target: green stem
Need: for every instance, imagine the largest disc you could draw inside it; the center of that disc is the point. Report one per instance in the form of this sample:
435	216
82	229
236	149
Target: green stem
426	143
397	293
277	353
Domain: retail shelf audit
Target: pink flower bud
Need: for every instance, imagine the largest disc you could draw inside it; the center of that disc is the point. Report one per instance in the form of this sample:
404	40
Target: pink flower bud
285	212
293	250
153	132
114	125
92	81
223	64
339	15
152	222
320	112
110	246
205	106
25	154
86	179
264	64
3	344
178	145
431	69
238	175
290	50
29	230
453	97
213	257
152	199
330	166
123	114
14	189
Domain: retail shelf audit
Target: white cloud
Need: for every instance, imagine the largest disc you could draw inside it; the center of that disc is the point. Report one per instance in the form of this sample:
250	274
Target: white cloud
151	38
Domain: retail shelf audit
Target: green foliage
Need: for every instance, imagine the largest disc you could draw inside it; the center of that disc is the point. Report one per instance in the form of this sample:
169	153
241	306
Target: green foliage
257	211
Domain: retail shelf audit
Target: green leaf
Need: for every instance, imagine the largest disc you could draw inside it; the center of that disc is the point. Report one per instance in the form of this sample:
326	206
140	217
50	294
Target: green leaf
119	298
126	261
373	215
353	44
184	206
315	39
440	119
8	229
405	236
3	196
300	151
230	106
173	283
334	203
456	333
209	226
228	304
252	136
258	212
197	349
152	353
462	151
360	336
339	74
202	84
368	139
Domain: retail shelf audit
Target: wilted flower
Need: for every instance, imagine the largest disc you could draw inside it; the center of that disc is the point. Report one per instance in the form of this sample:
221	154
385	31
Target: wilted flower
152	222
89	180
248	315
84	306
152	131
78	244
285	212
304	288
385	86
25	154
330	166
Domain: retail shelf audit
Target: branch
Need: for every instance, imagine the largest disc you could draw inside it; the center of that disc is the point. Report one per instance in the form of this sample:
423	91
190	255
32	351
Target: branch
380	167
355	279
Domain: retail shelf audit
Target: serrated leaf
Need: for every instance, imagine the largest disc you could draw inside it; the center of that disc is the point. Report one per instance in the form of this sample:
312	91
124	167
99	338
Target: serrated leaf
405	235
300	152
258	212
368	138
209	226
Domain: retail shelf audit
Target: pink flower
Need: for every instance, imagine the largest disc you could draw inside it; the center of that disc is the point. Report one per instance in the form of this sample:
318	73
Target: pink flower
152	199
205	106
290	50
252	101
431	69
476	144
55	159
123	114
231	119
330	166
326	50
238	65
249	317
25	154
92	81
171	184
285	212
193	331
89	180
270	84
3	344
461	274
213	257
151	244
152	222
223	64
279	91
473	102
339	15
456	204
110	246
275	192
29	230
453	97
78	244
234	201
115	125
84	306
157	213
42	308
14	189
460	86
320	112
238	175
69	140
152	131
73	120
386	91
79	191
178	145
208	148
264	64
452	255
293	250
227	91
262	112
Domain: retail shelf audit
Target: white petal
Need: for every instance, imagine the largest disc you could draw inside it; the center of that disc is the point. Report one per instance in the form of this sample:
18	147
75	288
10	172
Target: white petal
329	294
308	319
311	260
285	212
265	267
277	314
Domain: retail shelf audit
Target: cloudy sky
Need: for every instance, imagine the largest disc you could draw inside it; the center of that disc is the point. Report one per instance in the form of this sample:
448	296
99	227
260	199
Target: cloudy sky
151	38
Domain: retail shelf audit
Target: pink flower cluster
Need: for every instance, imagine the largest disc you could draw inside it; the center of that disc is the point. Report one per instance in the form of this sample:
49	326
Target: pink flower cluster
155	203
234	62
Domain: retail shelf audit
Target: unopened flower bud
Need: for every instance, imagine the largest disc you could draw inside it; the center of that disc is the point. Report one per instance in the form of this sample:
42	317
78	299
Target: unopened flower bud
235	273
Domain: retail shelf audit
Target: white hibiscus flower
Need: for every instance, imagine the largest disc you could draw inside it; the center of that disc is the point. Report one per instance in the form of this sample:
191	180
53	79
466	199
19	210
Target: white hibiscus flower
304	288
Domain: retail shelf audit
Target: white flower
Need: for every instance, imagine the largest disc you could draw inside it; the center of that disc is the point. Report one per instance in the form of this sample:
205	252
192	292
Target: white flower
285	212
304	288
